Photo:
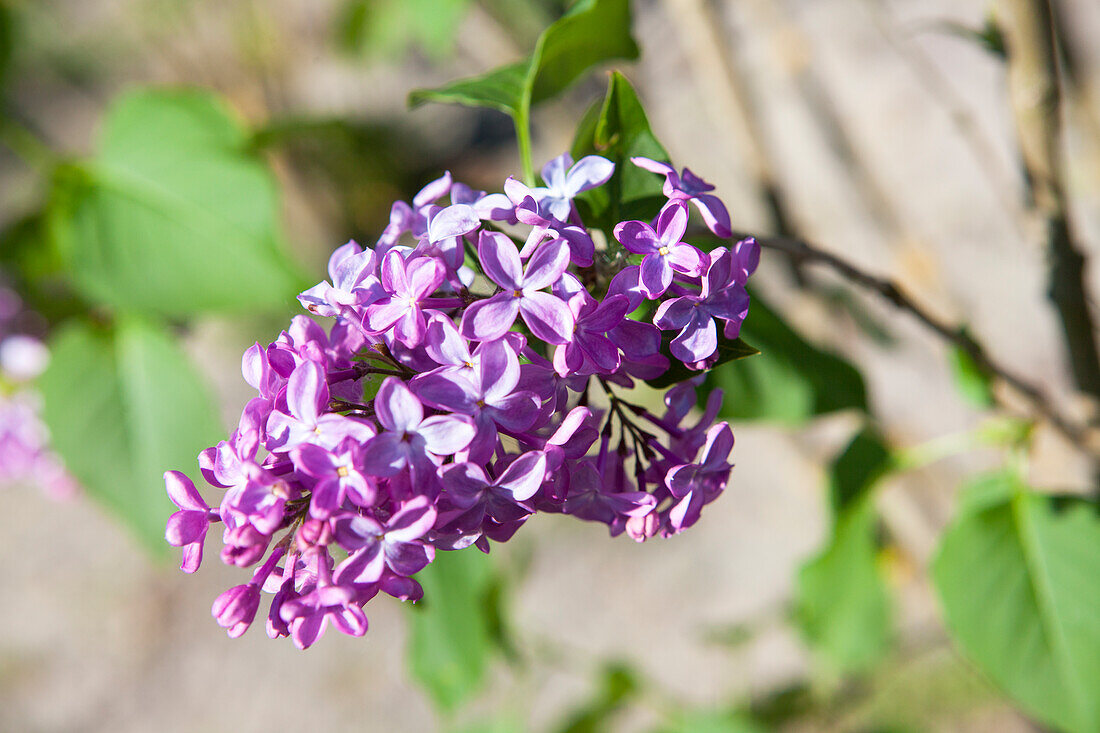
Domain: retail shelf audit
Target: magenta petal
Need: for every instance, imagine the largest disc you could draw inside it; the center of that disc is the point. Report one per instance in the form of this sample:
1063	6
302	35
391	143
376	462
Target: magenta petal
500	260
453	221
637	236
652	166
306	630
381	316
445	435
182	492
672	223
697	341
497	370
589	172
350	620
307	391
447	391
433	191
675	313
408	558
392	273
547	265
714	214
384	455
192	557
313	460
524	476
490	319
185	527
364	566
425	274
548	317
396	407
412	522
687	259
656	276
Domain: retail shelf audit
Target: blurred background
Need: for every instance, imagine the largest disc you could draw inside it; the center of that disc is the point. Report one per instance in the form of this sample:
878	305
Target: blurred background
882	131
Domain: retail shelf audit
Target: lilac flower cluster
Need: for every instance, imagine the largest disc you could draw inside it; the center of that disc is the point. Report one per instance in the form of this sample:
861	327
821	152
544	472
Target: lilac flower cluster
25	453
447	404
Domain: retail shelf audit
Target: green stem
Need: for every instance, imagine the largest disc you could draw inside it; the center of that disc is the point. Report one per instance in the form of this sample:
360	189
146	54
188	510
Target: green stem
523	137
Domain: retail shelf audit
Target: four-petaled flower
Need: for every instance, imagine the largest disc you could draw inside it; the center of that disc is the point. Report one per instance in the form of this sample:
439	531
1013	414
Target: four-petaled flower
663	250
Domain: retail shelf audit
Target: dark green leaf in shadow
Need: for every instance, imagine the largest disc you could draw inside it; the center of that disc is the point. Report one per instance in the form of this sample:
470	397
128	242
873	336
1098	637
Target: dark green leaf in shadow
791	381
728	350
618	130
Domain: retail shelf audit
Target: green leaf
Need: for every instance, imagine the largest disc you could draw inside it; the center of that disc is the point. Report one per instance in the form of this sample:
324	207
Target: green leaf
842	602
791	381
500	89
858	469
618	685
591	32
1017	574
174	215
972	382
450	645
843	607
619	130
710	721
390	27
122	405
677	372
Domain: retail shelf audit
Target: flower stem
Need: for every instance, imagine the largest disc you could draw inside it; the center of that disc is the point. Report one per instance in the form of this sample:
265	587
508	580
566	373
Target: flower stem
522	120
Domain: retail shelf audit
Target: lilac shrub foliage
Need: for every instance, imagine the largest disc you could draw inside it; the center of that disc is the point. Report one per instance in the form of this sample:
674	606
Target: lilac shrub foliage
473	375
25	453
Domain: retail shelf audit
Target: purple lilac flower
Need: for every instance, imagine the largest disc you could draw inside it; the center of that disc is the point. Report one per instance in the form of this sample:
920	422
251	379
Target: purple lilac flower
663	250
687	186
721	297
548	317
564	180
474	427
408	439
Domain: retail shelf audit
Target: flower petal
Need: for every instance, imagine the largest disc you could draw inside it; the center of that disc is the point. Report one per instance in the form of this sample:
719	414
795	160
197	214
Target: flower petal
548	317
500	260
490	319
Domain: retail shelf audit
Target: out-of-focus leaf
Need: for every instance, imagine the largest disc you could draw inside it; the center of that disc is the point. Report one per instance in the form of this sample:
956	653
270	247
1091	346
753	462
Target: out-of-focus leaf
843	606
842	603
973	383
618	685
7	39
791	381
618	130
1017	574
710	721
450	644
174	215
35	270
857	469
592	31
389	27
122	405
728	350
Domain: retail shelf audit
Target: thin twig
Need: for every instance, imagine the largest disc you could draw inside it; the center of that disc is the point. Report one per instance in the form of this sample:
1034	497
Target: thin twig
1080	434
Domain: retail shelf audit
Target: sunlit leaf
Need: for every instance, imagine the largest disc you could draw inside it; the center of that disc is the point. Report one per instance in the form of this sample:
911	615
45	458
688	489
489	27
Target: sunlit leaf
1016	572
